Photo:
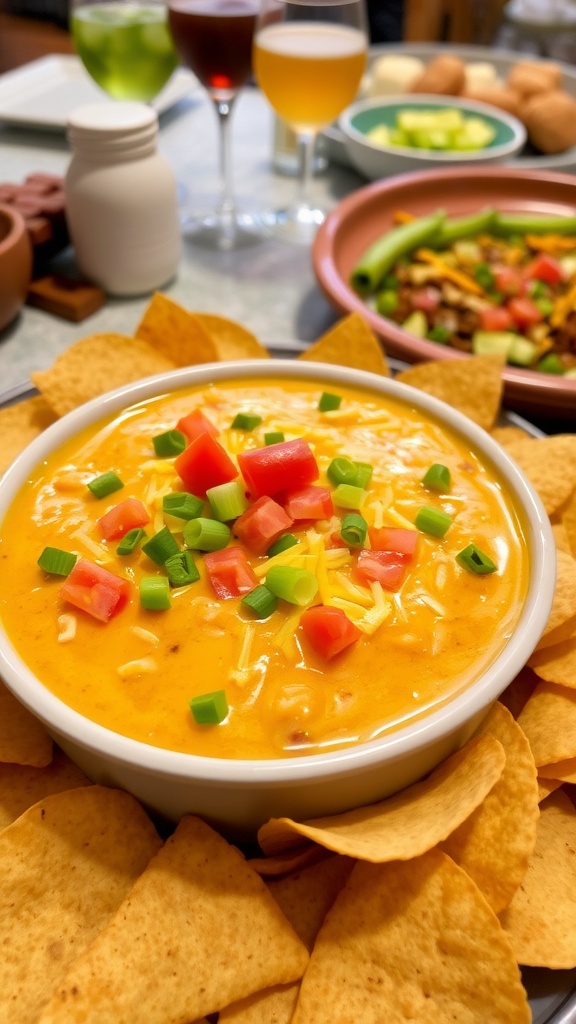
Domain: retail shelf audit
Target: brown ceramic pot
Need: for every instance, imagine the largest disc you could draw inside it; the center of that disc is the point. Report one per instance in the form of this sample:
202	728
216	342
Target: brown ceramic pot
15	263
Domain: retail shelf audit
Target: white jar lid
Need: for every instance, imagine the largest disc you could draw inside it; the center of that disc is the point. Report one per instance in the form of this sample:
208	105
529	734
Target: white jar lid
112	118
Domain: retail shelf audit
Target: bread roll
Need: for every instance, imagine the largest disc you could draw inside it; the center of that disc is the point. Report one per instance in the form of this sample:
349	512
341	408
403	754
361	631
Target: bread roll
550	119
444	75
531	77
393	74
496	96
481	75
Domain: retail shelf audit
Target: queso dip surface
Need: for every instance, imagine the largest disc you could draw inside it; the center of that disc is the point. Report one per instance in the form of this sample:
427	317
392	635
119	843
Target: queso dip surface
418	638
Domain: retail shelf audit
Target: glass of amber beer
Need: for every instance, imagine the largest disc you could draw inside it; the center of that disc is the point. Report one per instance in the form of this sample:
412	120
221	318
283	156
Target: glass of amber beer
309	57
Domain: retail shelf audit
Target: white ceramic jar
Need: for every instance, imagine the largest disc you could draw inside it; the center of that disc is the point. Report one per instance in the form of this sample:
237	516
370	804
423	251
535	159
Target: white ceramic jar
121	203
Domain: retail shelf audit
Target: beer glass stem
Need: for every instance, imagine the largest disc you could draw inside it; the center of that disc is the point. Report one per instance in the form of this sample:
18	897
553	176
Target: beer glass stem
306	141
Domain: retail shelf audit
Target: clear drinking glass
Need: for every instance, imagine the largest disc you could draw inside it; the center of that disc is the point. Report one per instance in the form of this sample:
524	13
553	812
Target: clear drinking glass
214	39
309	57
125	46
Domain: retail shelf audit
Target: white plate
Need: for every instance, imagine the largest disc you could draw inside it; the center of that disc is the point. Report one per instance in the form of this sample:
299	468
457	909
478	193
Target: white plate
43	93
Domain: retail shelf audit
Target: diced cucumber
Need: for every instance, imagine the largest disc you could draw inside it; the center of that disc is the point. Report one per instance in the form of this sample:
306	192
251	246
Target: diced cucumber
523	352
486	342
416	324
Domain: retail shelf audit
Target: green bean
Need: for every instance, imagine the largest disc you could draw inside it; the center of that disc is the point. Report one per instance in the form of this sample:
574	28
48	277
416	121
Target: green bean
464	227
533	223
378	259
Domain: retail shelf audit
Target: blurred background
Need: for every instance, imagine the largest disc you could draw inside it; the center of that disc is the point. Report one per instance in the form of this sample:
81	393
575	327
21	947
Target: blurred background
33	28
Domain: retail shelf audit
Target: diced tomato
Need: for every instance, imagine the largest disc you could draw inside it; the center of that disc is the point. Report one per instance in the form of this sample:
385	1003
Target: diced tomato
328	629
277	467
196	423
393	538
230	572
204	464
495	318
508	280
385	567
261	524
95	590
524	312
123	517
544	268
308	503
427	299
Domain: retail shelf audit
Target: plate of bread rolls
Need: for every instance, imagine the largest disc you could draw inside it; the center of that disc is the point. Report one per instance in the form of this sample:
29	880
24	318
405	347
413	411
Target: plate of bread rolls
541	93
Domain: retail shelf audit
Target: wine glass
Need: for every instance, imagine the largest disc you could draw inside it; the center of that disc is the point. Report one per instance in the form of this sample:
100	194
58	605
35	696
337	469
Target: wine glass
309	58
125	46
214	38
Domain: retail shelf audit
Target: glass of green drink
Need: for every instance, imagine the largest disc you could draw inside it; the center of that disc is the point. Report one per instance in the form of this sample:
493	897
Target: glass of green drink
125	45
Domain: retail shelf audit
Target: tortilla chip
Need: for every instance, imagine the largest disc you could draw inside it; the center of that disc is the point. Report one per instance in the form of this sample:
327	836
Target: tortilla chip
95	365
550	464
20	424
231	340
495	843
561	539
410	822
65	866
561	771
412	941
23	739
474	386
568	514
205	922
517	693
304	898
507	433
541	920
549	721
547	786
351	342
284	863
22	786
561	622
175	333
557	664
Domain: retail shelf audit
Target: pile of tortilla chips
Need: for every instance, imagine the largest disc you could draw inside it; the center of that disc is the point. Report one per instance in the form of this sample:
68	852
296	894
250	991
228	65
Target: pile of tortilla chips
419	908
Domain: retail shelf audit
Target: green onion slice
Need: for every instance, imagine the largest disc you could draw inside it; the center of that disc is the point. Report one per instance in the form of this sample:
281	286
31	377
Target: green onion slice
171	442
474	560
161	546
107	483
297	586
154	593
209	708
349	496
227	501
182	569
130	541
273	437
57	561
206	534
437	478
364	473
246	421
354	529
261	601
329	401
342	471
433	520
182	505
288	540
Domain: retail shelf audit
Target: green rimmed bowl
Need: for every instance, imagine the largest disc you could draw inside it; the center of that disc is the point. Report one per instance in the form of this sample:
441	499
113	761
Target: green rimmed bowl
375	160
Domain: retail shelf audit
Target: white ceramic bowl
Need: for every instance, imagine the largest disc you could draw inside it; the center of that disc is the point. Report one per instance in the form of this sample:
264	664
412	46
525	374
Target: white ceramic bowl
376	161
238	795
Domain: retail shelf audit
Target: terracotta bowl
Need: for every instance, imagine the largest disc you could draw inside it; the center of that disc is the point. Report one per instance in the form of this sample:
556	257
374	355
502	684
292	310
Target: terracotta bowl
15	264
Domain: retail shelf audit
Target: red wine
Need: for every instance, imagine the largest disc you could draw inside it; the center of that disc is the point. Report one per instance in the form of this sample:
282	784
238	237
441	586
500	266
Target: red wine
214	38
